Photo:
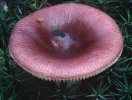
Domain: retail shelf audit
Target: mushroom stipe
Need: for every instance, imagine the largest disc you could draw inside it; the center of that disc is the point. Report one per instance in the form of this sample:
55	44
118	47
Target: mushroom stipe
66	42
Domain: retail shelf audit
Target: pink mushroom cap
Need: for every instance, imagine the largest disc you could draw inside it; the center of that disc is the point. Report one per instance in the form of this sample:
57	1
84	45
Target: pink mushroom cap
89	41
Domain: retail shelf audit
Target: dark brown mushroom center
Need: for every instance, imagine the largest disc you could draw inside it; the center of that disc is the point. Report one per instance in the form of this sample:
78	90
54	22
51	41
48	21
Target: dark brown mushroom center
63	44
66	41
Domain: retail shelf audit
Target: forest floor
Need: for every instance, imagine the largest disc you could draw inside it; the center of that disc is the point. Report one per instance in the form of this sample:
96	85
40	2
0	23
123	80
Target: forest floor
115	83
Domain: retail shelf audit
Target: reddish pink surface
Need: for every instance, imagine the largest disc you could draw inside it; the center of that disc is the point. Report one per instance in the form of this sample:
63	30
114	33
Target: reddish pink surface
98	42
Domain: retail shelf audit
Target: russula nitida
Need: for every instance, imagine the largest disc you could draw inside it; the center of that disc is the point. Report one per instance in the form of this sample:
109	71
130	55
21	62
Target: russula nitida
66	42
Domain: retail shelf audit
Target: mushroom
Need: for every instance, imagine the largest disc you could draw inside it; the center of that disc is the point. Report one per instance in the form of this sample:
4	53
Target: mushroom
66	42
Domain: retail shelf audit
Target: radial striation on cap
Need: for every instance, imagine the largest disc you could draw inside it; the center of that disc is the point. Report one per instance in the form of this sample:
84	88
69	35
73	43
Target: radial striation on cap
66	42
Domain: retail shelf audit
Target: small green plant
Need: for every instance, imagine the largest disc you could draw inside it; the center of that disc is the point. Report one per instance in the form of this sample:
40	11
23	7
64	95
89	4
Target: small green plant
65	91
123	89
100	92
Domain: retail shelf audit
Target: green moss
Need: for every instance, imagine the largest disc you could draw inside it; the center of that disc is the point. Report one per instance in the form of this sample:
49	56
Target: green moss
113	84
